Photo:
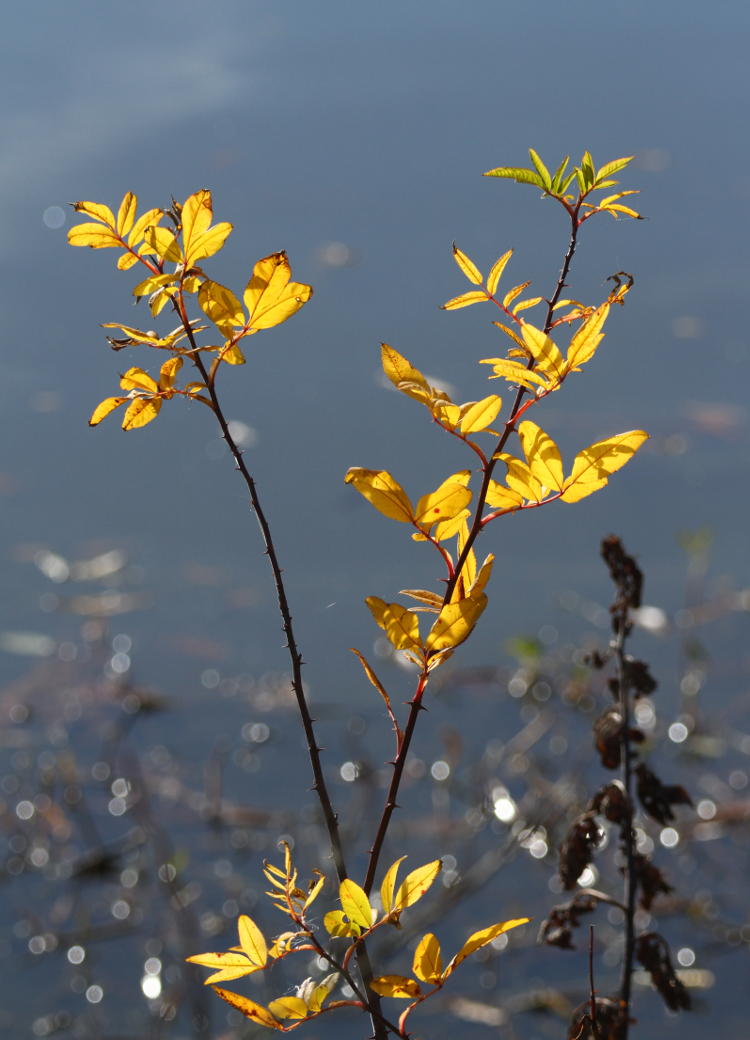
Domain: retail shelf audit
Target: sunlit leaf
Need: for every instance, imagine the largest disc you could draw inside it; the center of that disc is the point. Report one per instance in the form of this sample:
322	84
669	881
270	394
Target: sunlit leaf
584	343
499	497
541	169
148	219
355	904
520	478
389	884
479	583
496	271
270	297
104	408
249	1008
403	375
208	244
337	924
464	300
514	293
373	678
126	261
430	599
96	210
428	963
221	306
612	167
164	244
126	214
482	938
455	623
322	991
525	305
197	213
548	358
232	354
516	173
401	626
415	884
447	528
152	283
288	1007
481	414
96	236
252	941
382	491
542	455
140	412
515	372
137	379
168	373
558	175
594	465
314	892
443	504
396	986
468	268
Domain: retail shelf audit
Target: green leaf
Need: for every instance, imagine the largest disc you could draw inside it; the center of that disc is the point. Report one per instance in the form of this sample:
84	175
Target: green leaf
558	176
516	173
541	169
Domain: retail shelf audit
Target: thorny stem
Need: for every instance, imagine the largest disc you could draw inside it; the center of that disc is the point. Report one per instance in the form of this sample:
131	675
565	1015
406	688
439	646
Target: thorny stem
416	706
592	991
295	656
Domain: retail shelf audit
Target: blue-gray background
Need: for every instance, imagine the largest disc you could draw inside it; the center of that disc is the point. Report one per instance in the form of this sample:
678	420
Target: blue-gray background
366	125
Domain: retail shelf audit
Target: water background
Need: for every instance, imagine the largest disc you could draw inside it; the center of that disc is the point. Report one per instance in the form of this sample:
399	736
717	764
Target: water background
341	123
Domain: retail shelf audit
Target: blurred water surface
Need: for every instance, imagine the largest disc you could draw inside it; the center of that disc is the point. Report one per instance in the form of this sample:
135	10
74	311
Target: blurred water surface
354	137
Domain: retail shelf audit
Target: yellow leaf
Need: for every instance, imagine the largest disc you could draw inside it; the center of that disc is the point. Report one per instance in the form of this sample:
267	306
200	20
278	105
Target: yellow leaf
382	491
140	412
499	497
126	214
270	297
103	409
222	960
197	213
455	623
96	210
524	305
403	375
137	379
288	1007
314	892
446	412
594	465
448	528
481	414
249	1008
168	373
322	991
542	454
521	479
232	354
430	599
482	938
515	372
464	300
164	244
389	884
396	986
584	343
514	292
207	244
373	678
148	219
228	974
443	504
252	941
468	268
400	625
415	884
548	358
469	569
513	335
355	904
493	278
93	235
152	283
485	572
221	306
428	963
126	261
336	924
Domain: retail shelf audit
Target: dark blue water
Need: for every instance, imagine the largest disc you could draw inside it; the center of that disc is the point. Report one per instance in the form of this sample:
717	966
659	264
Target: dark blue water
339	123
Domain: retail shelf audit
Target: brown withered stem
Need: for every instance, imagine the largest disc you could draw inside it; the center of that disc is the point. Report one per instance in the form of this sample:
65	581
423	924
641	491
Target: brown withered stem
404	739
